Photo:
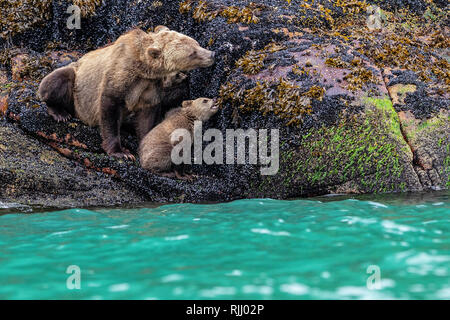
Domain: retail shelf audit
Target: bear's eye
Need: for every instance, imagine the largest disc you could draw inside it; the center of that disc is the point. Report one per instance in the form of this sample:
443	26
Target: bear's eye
205	101
193	54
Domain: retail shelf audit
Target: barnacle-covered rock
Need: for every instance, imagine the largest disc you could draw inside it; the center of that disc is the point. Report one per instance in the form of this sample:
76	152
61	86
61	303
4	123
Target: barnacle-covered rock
359	94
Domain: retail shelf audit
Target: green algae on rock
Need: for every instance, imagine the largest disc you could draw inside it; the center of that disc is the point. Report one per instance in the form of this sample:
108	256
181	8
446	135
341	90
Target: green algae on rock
364	152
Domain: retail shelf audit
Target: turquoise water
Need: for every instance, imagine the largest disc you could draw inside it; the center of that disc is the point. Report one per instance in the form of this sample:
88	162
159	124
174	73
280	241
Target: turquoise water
248	249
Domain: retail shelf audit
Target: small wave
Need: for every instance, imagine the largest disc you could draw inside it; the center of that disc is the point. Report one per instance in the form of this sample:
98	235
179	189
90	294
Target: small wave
272	233
425	258
60	233
444	293
234	273
122	226
263	290
377	204
297	289
218	291
393	227
180	237
172	278
362	293
120	287
353	220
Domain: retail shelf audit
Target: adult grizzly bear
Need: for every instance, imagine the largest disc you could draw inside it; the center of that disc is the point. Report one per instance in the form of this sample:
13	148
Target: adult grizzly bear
124	75
156	147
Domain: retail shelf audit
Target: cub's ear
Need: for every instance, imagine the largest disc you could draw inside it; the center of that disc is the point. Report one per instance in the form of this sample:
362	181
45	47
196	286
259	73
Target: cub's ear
153	52
186	103
161	28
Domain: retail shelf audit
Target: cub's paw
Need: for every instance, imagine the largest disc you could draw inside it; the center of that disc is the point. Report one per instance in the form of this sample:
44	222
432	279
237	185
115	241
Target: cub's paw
167	174
184	176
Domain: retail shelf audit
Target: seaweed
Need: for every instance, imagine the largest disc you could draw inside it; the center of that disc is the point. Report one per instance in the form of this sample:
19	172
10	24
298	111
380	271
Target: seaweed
282	98
205	12
18	16
252	62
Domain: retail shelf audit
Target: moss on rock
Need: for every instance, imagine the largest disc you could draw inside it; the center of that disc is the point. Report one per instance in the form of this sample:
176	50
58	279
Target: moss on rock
356	155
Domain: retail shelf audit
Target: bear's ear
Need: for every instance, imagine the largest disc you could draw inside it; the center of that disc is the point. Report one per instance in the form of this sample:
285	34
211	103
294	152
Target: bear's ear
161	28
186	103
153	52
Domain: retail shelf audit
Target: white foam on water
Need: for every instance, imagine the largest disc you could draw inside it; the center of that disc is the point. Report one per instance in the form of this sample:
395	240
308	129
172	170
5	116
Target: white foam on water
272	233
122	226
172	278
423	258
264	290
377	204
234	273
391	226
60	233
176	238
362	293
444	293
352	220
120	287
218	291
297	289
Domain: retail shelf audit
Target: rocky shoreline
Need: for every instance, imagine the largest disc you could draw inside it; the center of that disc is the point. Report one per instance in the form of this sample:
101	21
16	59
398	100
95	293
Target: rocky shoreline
358	110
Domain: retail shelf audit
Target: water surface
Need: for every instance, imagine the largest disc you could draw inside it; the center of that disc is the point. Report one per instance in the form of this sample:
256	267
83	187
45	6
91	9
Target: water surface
247	249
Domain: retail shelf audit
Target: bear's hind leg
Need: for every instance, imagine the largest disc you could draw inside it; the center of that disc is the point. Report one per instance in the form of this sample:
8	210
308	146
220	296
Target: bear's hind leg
56	90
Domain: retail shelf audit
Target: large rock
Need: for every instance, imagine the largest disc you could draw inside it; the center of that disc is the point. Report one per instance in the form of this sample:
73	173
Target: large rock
33	173
359	110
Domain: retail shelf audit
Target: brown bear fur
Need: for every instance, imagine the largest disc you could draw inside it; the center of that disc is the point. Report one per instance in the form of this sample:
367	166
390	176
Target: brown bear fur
57	91
126	75
175	87
156	147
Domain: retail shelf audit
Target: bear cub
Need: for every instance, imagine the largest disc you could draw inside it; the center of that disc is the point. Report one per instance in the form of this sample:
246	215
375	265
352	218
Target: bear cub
156	147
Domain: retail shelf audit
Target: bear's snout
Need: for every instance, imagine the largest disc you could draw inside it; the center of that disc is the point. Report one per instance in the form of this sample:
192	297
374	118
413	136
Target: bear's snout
212	56
208	56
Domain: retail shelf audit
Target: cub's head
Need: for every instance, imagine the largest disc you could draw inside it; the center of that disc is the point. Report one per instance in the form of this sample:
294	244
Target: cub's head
177	51
173	79
202	108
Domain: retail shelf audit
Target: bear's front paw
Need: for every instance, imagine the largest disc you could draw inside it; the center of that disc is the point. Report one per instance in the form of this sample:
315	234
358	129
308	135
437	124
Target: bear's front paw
60	115
124	154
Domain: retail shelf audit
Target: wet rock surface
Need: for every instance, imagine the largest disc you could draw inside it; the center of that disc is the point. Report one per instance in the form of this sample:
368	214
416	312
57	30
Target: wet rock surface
33	173
358	110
